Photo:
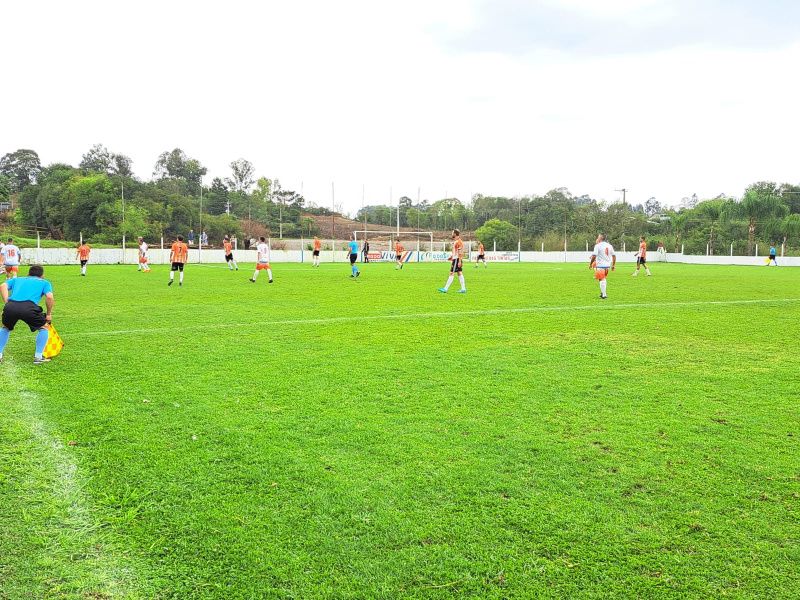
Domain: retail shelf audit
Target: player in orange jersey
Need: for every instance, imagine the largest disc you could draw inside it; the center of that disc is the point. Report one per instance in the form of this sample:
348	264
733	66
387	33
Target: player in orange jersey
263	259
315	253
178	256
226	243
481	255
83	255
456	264
641	258
398	250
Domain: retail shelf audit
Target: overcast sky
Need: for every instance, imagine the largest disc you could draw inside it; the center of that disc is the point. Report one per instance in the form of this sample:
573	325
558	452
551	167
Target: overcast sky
504	97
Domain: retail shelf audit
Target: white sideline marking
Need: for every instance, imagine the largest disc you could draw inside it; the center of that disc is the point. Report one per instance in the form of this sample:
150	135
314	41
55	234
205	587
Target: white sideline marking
435	315
66	486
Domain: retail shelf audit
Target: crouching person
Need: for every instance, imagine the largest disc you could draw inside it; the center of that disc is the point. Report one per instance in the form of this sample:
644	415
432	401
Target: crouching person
21	298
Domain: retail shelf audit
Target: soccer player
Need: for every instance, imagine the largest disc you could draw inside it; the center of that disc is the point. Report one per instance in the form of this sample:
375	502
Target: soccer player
144	265
352	246
662	251
263	259
226	243
398	250
21	299
641	258
481	255
456	264
603	259
773	256
10	255
178	256
83	255
365	251
315	253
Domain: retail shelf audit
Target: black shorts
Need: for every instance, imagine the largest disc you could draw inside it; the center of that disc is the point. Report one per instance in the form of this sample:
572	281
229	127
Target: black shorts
177	266
482	257
83	263
353	258
455	265
29	313
315	253
228	257
773	256
640	260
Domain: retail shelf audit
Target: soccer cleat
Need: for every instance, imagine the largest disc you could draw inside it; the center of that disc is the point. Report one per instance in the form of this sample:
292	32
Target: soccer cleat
180	284
40	361
603	297
270	280
170	282
358	273
444	291
252	280
462	291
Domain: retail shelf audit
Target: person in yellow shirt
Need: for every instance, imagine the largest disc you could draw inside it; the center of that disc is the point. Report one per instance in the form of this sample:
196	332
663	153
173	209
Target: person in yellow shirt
178	256
83	255
456	264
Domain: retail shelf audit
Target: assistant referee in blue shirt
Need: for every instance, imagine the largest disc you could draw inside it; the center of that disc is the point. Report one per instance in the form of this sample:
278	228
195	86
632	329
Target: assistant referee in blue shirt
21	297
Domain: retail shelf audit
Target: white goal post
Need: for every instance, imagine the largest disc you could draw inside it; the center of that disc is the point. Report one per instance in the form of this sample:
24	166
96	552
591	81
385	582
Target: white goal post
393	235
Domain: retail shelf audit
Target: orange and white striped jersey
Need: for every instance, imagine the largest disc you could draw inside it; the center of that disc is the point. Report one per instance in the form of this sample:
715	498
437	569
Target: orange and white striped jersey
83	251
643	250
179	252
398	248
317	244
228	247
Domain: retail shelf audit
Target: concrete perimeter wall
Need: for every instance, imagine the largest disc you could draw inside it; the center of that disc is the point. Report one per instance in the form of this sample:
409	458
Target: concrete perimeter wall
112	256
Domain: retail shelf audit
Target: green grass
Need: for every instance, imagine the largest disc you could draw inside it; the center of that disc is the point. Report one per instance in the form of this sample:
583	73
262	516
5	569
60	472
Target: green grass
329	438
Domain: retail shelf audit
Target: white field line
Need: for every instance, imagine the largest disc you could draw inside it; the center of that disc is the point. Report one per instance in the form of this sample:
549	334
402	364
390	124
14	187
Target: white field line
438	315
67	489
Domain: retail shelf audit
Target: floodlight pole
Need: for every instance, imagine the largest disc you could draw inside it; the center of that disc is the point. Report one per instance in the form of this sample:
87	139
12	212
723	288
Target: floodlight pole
200	245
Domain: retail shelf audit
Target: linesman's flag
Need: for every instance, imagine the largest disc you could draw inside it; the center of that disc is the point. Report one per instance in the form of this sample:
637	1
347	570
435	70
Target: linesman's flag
54	343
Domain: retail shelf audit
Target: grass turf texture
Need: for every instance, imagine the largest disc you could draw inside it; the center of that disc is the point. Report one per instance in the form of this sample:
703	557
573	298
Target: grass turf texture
232	440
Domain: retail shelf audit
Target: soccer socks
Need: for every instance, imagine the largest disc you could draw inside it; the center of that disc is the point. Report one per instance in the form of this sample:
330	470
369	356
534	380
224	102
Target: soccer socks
603	288
462	282
180	278
646	270
269	272
355	270
255	275
4	334
83	270
449	282
235	266
41	341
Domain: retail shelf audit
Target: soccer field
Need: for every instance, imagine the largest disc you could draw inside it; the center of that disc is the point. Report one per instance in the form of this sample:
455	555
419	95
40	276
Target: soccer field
323	437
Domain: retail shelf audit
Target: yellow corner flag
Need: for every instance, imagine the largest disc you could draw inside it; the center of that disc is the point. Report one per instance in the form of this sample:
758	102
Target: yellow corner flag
54	343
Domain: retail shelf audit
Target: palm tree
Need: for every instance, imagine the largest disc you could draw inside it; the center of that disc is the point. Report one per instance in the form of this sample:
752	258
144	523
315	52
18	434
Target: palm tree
759	204
790	227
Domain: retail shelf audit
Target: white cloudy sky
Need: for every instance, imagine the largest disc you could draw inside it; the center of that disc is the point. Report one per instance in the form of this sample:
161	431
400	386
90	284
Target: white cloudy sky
664	97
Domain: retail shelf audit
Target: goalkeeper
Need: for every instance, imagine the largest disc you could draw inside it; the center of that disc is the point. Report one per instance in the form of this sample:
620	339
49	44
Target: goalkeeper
21	297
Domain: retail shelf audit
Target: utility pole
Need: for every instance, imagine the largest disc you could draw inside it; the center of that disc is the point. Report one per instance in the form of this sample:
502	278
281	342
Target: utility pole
624	192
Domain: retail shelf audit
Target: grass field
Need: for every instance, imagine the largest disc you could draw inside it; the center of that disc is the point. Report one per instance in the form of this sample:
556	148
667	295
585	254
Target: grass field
328	438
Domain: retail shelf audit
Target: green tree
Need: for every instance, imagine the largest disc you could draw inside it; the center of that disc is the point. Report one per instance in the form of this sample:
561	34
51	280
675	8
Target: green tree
22	167
761	203
176	165
505	234
5	188
241	179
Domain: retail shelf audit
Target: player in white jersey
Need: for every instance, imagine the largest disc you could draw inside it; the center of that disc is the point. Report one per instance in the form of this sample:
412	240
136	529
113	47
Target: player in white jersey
263	259
603	259
144	265
10	254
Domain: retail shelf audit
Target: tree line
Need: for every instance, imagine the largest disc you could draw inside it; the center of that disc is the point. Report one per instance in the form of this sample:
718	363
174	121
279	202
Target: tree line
66	202
102	200
768	213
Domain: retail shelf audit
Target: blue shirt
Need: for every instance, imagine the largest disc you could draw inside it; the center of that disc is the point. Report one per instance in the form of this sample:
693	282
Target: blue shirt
353	247
772	250
30	289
